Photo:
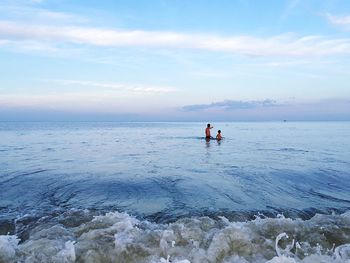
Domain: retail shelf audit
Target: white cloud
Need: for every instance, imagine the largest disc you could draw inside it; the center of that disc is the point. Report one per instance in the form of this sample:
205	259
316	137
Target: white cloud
138	89
26	12
340	21
40	47
281	45
42	14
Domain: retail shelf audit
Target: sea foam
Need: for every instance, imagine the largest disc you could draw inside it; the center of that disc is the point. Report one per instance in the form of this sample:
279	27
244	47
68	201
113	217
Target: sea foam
119	237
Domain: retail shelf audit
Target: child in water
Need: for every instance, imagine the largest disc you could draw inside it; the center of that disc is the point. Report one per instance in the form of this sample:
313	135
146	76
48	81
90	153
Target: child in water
218	136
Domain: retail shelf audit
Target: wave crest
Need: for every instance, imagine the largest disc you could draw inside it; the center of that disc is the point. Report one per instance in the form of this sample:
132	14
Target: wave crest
119	237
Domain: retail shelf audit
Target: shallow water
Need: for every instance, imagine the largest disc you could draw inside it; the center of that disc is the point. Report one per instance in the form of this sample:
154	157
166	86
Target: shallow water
56	178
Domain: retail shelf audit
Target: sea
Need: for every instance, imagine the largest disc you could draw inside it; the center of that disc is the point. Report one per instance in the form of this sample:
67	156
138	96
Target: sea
276	192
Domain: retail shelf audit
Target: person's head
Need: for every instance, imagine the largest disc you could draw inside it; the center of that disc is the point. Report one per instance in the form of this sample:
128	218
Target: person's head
208	125
219	131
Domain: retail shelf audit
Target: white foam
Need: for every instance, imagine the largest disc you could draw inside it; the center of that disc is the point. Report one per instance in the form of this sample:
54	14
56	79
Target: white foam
8	247
281	259
113	236
67	254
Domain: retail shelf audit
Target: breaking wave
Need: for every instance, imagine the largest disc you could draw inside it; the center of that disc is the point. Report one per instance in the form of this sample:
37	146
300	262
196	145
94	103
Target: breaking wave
81	236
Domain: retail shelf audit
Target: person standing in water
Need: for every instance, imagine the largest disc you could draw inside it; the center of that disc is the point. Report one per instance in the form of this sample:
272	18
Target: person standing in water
218	136
207	131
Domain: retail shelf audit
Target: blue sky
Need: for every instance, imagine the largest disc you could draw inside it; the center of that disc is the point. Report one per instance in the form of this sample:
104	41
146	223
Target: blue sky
175	60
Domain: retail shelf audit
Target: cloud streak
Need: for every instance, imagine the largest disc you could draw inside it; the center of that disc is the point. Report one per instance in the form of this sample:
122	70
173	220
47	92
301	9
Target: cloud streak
140	89
230	105
280	45
340	21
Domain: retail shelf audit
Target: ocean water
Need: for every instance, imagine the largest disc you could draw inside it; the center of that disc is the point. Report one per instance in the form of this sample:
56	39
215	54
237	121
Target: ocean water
159	192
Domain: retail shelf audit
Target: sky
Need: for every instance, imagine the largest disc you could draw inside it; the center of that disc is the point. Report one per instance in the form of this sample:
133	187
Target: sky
174	60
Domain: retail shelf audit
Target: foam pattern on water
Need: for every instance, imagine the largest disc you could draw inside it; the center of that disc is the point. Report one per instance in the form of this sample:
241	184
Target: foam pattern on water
119	237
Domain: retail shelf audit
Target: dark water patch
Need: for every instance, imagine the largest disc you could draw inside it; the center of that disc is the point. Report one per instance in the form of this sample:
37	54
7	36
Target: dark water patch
328	197
18	148
24	226
133	155
49	149
7	227
167	216
292	150
32	173
284	150
20	176
234	199
335	160
198	171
